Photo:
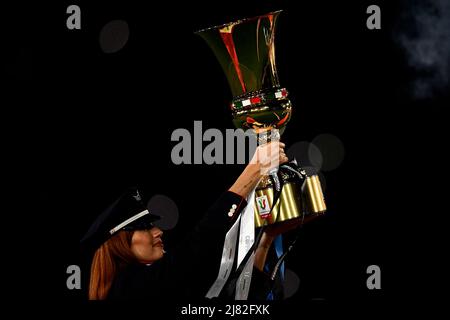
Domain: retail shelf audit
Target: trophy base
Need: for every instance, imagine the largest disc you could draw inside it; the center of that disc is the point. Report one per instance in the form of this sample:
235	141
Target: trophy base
297	200
289	205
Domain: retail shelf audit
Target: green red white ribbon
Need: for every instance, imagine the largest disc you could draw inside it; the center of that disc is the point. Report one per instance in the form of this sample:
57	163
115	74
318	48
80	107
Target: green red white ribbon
259	99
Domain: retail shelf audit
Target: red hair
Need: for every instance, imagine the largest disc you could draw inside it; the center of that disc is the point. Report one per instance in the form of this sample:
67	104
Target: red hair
109	259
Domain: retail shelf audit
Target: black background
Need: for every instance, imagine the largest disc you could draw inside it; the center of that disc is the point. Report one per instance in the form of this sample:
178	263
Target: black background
97	123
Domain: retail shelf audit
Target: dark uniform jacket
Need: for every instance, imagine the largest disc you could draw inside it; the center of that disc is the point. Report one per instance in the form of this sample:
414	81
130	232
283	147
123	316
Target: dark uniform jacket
189	271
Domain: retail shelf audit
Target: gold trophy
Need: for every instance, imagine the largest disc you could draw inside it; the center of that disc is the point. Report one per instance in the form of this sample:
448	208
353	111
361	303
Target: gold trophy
246	52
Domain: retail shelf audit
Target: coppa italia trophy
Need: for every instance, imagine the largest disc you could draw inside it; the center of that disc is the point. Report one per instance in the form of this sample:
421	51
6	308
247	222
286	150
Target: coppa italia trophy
246	52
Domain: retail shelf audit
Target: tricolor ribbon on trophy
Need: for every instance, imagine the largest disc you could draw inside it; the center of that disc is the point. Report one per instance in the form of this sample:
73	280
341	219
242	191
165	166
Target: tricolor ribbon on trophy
246	51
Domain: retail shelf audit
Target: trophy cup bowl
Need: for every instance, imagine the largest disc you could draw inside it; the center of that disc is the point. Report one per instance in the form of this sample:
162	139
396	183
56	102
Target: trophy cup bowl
245	50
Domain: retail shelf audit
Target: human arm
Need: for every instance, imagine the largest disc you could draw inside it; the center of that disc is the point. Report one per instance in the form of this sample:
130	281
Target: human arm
202	250
266	157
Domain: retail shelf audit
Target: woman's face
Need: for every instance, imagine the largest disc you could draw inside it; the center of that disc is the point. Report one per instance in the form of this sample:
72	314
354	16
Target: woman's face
147	245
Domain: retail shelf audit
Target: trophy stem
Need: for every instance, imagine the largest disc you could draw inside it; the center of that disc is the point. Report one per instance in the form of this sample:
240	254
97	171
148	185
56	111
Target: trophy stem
267	135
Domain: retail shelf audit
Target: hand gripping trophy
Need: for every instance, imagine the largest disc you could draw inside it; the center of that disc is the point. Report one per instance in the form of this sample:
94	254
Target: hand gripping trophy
245	50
